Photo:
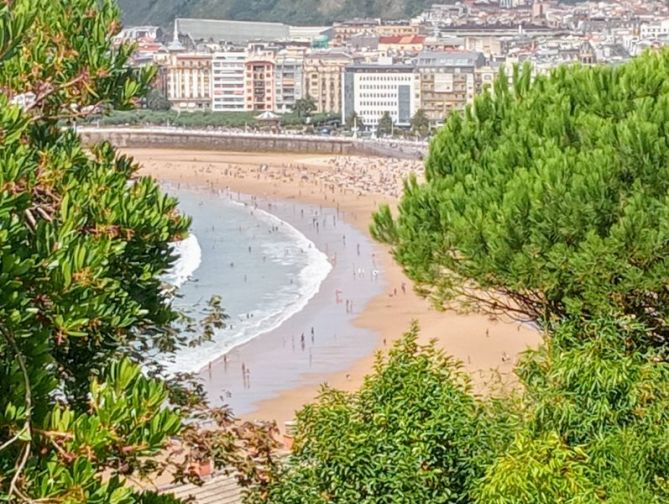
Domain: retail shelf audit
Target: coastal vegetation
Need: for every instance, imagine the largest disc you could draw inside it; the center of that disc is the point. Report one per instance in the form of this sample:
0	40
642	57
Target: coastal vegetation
84	406
203	119
545	202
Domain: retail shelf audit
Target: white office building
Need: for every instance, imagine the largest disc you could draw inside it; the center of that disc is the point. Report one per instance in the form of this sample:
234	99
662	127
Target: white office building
227	73
372	90
657	29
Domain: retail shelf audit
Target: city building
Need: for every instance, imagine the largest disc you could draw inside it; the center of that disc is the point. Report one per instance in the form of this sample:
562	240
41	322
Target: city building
342	32
259	80
656	29
189	81
448	81
140	33
228	78
322	79
398	45
289	77
489	46
372	90
243	32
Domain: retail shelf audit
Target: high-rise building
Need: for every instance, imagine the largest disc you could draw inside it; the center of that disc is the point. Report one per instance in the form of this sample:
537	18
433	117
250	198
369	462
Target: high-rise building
289	77
322	79
189	81
448	81
373	90
228	76
259	80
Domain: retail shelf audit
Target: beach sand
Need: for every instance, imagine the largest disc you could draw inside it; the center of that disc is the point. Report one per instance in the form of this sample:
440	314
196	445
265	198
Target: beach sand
355	187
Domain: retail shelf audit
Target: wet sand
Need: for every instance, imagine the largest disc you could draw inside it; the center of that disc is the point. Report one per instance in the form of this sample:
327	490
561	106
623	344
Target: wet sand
480	343
320	339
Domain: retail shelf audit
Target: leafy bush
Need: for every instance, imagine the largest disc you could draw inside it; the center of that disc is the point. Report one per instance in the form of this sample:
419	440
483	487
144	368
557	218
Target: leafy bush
412	433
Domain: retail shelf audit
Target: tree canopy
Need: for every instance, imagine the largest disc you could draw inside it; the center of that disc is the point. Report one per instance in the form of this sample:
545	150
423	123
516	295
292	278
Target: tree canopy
547	198
385	126
545	201
412	433
156	100
354	121
84	241
420	123
304	107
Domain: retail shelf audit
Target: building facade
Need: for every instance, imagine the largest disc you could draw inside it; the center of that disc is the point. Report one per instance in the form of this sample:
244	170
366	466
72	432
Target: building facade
228	78
323	79
373	90
656	29
289	78
189	81
259	81
448	81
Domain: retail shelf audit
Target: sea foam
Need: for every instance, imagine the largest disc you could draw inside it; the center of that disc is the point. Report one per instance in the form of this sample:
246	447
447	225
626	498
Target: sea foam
277	306
189	259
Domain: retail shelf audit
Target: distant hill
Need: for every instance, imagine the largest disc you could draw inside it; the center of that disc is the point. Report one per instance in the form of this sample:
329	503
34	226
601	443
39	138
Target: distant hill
297	12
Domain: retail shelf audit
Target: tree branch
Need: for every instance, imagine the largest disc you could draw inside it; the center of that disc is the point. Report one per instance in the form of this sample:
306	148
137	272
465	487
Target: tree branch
27	426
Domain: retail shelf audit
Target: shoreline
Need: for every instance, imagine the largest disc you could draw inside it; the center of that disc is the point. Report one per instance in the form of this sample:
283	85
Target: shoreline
480	343
317	339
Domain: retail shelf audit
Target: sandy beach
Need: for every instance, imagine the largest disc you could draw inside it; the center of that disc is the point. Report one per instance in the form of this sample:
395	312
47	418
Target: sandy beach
352	188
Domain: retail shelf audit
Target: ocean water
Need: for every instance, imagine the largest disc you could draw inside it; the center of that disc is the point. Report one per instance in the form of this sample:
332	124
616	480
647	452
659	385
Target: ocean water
263	268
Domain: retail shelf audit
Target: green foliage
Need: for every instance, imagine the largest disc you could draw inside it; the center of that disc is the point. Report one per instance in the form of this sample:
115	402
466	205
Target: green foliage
157	101
596	418
304	107
385	126
83	243
413	433
354	121
549	198
420	124
199	119
174	118
125	424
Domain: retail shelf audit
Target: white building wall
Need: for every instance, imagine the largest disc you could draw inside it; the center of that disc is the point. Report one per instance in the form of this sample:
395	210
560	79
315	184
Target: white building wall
227	72
376	93
653	30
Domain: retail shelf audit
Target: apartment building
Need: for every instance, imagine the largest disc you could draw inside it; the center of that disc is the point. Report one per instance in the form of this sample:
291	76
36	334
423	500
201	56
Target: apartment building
189	81
323	79
228	78
656	29
448	81
373	90
342	32
289	77
259	80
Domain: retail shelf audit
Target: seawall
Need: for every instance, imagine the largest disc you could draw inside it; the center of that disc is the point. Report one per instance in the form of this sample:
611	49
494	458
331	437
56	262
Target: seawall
251	142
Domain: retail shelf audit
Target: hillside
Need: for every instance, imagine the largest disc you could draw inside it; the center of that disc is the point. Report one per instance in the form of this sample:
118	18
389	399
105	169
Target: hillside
299	12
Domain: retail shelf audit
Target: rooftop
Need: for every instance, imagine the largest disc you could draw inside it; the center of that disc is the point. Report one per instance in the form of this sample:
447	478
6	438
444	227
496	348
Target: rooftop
243	32
450	58
373	68
399	39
